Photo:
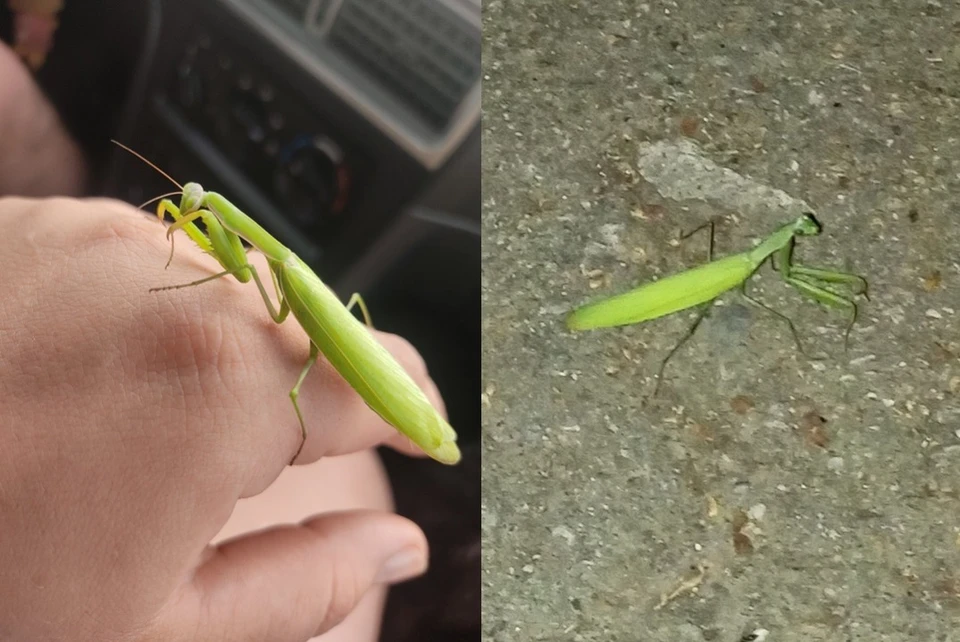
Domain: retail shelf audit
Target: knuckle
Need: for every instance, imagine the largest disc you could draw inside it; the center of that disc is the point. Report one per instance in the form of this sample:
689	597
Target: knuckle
345	591
194	336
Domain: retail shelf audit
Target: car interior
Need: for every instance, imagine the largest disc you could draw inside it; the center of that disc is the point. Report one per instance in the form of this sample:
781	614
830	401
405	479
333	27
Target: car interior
349	129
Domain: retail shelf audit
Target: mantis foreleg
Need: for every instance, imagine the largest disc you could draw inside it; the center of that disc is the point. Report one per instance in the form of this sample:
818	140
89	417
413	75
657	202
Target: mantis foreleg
828	298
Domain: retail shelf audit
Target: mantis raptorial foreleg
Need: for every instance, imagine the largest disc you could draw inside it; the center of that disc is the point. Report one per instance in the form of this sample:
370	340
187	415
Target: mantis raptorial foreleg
828	298
182	220
811	282
166	206
832	276
814	283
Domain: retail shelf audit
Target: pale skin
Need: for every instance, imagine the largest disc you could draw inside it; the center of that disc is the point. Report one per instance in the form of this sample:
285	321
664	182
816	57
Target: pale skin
136	429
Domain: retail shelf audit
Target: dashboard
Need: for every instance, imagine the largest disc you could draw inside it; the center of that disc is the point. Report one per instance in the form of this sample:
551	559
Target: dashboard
323	116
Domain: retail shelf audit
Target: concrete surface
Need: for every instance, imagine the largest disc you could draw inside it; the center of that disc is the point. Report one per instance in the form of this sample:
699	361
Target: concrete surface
819	500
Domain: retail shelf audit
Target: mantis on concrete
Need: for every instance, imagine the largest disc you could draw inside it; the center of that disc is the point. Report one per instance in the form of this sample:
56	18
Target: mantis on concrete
332	329
705	283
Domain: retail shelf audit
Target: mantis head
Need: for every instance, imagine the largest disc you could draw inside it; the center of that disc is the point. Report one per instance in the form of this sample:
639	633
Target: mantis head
191	198
806	225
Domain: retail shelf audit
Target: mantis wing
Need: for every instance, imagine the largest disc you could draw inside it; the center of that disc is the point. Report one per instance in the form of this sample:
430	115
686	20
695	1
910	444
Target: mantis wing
666	296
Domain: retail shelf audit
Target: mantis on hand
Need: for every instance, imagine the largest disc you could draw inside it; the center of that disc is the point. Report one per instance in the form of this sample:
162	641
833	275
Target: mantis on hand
705	283
332	329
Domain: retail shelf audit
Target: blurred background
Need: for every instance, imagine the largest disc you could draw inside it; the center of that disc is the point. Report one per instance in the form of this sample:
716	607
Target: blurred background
350	130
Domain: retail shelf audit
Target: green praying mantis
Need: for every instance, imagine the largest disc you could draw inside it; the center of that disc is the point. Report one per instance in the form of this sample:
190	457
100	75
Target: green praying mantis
330	325
705	283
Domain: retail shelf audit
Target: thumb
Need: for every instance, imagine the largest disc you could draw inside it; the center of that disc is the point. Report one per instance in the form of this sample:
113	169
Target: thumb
291	583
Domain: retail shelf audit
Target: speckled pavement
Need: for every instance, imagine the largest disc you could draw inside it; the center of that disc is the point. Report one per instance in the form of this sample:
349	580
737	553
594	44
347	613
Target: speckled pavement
815	499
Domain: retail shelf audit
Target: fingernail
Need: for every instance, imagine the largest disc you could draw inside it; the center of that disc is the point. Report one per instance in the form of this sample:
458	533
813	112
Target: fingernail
408	563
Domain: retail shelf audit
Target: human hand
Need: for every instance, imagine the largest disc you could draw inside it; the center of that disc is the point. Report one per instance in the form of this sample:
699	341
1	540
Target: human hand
131	422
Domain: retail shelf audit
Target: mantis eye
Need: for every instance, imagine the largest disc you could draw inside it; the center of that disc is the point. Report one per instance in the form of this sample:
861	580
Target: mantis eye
808	224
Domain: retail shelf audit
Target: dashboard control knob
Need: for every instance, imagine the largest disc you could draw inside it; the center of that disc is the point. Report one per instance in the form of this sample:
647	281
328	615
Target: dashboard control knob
192	86
251	116
311	179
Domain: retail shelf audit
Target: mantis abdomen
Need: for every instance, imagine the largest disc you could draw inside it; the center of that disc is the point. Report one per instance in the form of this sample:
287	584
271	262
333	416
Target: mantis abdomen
666	296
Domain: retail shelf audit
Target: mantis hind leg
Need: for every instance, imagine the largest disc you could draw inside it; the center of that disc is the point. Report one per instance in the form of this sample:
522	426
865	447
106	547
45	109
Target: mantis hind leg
704	309
711	224
356	299
295	394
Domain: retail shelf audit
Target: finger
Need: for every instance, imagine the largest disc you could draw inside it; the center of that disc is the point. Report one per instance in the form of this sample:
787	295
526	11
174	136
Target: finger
296	582
403	444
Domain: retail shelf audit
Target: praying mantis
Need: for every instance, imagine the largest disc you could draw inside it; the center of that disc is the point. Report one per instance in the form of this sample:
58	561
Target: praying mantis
705	283
330	325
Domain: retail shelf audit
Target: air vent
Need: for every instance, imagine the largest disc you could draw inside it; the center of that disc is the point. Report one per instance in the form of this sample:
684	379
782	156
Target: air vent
423	51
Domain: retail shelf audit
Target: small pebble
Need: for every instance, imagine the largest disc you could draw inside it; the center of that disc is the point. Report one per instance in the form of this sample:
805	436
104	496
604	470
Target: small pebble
564	532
